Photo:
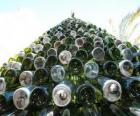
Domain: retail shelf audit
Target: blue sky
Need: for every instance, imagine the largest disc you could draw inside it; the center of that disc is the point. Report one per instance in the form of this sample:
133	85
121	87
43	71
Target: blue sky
57	10
22	21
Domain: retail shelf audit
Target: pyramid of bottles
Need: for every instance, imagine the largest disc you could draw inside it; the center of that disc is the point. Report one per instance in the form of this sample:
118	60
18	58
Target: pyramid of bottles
73	69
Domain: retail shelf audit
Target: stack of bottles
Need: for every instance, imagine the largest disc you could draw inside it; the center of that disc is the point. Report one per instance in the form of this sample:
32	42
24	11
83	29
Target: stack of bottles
73	69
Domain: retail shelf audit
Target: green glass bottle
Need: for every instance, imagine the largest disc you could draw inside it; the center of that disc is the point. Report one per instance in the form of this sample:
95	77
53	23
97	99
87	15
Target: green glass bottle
88	94
110	109
109	40
66	112
27	50
27	64
52	52
39	62
51	61
82	55
53	39
114	53
3	70
132	87
17	113
40	76
68	41
61	48
88	111
31	55
75	66
119	111
47	46
135	54
128	44
11	79
39	97
42	54
136	69
87	46
110	68
6	103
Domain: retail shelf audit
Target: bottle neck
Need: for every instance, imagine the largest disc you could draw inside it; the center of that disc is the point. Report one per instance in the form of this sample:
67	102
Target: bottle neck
26	78
132	85
111	89
40	76
21	97
39	62
91	70
85	93
27	64
61	95
6	103
39	97
57	73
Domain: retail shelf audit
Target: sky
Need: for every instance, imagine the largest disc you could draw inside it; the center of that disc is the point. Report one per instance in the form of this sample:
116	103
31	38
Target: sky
22	21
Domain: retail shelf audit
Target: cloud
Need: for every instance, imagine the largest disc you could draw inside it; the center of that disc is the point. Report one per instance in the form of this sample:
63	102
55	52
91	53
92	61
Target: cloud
17	30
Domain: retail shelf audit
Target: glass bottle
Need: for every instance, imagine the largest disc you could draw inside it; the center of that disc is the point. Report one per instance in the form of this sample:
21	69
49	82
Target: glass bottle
62	94
39	62
91	70
65	57
112	90
126	68
26	78
57	73
40	76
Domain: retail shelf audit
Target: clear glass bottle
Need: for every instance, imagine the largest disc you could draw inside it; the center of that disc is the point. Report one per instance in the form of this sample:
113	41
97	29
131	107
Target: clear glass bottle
91	70
57	73
62	94
112	90
126	68
26	78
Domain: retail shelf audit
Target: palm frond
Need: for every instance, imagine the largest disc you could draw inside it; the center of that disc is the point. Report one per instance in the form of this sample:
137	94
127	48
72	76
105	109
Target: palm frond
129	25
